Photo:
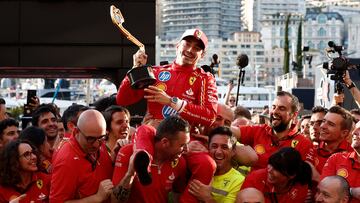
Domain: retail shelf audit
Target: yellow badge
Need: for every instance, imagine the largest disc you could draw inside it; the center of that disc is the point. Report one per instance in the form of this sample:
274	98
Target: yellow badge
294	143
161	86
259	149
192	80
342	172
174	163
198	33
39	183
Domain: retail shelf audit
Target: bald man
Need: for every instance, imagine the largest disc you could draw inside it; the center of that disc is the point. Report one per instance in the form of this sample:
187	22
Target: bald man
333	189
250	195
82	170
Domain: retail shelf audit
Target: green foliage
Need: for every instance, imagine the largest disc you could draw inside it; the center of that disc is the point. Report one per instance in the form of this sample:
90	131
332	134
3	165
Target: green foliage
286	45
299	56
16	112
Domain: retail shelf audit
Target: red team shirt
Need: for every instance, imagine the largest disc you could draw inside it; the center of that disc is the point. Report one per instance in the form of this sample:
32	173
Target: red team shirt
322	154
188	83
163	178
261	138
344	164
38	190
73	176
258	180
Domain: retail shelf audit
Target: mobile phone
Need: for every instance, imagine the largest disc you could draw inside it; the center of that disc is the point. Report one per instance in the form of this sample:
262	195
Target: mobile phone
30	94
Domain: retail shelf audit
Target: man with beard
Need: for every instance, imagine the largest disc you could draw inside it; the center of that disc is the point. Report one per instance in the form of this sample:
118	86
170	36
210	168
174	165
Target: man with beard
282	132
347	165
334	129
168	143
45	117
317	116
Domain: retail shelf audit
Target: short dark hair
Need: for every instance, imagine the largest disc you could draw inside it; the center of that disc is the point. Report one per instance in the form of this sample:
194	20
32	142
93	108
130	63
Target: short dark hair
35	135
347	122
319	109
43	108
294	100
7	123
110	111
305	116
10	165
2	101
288	162
242	111
170	127
225	131
104	102
71	114
355	111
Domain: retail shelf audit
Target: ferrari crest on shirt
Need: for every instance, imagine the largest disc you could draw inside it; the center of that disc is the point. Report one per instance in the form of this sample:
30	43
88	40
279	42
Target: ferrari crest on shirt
294	143
192	80
164	76
342	172
39	183
174	163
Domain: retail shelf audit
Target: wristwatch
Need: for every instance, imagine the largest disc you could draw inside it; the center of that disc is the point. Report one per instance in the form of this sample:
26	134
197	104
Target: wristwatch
174	100
351	85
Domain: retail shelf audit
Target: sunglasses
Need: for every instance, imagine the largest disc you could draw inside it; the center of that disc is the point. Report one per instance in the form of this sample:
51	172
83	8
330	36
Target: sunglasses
91	139
28	154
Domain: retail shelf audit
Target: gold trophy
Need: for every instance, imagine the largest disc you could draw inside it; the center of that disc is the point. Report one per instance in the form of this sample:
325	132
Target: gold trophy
140	77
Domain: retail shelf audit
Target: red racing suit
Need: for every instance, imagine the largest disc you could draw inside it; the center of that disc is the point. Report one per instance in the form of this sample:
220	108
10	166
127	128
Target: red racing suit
187	83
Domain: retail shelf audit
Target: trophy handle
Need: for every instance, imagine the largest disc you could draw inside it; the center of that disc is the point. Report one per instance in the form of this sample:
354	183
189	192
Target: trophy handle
118	19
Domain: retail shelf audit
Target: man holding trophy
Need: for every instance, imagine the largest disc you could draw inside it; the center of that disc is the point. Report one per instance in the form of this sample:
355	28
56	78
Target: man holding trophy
180	87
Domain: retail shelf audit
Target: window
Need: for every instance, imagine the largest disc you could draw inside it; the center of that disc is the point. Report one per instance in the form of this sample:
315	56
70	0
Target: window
322	32
321	45
322	19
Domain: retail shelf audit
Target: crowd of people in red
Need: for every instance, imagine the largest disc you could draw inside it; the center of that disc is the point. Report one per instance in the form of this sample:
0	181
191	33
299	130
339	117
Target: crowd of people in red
189	147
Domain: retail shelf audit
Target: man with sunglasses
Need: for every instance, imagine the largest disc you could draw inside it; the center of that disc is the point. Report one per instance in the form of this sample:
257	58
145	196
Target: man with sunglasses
82	169
317	116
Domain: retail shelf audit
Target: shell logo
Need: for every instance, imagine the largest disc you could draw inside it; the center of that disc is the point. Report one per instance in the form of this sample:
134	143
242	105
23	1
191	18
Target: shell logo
259	149
342	172
162	86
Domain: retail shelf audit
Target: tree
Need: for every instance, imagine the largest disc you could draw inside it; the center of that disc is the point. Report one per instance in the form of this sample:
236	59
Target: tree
299	56
286	45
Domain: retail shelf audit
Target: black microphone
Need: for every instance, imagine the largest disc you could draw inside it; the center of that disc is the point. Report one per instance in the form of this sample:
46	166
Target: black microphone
242	61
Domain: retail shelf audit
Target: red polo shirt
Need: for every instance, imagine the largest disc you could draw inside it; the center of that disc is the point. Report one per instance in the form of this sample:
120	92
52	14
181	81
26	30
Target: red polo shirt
258	179
37	191
322	154
74	176
344	164
163	178
261	138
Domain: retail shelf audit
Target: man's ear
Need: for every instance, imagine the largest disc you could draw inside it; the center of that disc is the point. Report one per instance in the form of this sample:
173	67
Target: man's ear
165	142
203	54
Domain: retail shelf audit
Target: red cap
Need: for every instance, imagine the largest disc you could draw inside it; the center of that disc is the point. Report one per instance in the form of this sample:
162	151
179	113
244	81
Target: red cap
198	34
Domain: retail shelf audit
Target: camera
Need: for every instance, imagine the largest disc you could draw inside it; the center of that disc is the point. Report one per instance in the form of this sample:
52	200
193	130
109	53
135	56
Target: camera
338	65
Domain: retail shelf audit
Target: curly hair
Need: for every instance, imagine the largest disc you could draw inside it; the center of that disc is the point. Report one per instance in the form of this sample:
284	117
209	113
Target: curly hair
10	165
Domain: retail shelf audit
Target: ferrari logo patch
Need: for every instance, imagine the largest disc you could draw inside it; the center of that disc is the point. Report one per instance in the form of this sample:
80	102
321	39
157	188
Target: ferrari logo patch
39	183
294	143
174	163
192	80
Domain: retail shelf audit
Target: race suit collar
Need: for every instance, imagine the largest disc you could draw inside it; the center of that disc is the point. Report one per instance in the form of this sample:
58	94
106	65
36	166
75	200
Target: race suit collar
187	68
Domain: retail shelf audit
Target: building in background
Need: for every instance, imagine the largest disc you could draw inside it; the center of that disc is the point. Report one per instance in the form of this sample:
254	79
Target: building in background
218	19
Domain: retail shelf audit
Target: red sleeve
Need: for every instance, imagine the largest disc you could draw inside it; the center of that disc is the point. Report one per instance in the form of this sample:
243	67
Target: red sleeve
127	95
247	135
63	179
122	163
255	179
205	111
306	149
329	168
